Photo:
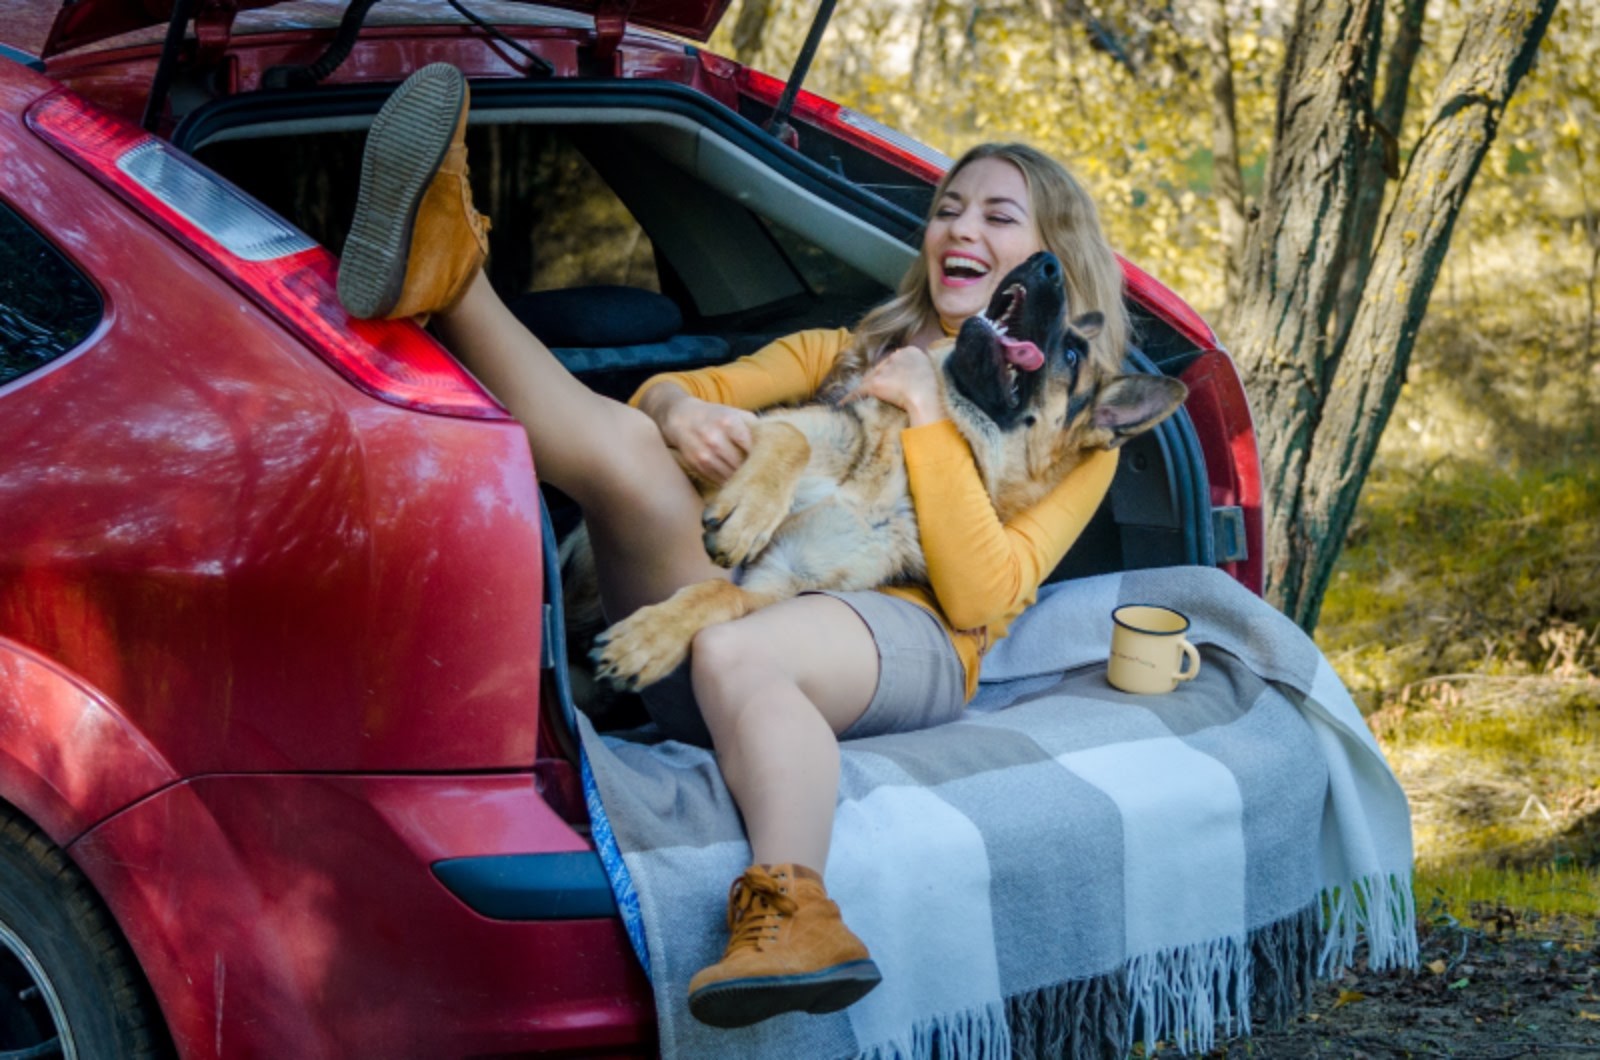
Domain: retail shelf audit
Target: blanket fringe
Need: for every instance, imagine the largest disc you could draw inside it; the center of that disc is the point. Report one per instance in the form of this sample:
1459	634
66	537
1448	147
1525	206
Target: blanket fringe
1188	994
1380	908
975	1034
1083	1020
1284	966
1190	997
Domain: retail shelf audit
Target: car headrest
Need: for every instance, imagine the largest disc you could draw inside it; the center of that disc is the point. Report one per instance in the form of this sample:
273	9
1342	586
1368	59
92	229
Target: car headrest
598	316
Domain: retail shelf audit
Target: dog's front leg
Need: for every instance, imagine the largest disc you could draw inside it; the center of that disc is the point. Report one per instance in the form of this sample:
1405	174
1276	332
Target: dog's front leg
650	643
743	515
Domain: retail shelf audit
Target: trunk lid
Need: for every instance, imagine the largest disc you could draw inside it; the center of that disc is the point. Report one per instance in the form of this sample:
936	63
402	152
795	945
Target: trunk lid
83	22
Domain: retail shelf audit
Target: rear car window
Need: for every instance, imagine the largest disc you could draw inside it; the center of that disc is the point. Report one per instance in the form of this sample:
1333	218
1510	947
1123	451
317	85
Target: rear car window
47	307
556	222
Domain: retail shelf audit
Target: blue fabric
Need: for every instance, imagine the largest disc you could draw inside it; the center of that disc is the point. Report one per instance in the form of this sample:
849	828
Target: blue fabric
680	351
605	843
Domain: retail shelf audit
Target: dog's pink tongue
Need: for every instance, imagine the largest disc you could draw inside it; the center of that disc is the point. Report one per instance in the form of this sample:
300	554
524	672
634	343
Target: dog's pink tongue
1025	355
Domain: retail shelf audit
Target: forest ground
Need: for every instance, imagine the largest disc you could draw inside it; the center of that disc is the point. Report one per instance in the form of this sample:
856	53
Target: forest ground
1495	989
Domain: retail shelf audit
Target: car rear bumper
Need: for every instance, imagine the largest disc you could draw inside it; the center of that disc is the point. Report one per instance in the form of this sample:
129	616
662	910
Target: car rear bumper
307	916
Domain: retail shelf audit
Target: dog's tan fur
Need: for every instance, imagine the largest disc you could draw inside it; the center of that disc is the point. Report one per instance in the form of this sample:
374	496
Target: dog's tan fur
822	501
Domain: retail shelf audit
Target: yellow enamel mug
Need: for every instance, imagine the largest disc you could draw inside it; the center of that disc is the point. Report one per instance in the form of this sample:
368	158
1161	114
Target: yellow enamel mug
1148	650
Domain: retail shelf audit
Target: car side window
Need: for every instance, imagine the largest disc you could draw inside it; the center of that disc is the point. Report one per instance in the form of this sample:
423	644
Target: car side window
47	307
557	222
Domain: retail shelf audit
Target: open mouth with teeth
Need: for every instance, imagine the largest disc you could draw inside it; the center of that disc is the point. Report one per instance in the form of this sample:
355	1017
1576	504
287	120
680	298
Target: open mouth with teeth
1000	354
1012	355
1020	354
961	270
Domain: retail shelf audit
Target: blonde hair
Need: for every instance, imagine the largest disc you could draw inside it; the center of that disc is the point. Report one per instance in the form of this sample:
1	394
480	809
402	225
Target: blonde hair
1069	227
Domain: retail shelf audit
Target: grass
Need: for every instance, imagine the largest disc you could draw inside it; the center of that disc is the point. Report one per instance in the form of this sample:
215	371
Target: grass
1464	614
1467	568
1559	899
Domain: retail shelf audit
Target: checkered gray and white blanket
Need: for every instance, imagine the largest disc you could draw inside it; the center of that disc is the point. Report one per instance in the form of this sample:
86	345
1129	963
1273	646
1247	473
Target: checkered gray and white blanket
1066	869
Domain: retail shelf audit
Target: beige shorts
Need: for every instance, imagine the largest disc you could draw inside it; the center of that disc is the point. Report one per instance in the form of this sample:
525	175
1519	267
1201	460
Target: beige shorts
920	680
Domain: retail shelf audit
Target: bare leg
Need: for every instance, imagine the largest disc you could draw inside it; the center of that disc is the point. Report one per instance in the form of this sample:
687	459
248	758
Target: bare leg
643	514
644	517
776	688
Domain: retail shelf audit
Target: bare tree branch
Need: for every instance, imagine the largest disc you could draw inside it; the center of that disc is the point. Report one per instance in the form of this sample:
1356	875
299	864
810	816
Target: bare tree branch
1381	162
1226	175
1495	52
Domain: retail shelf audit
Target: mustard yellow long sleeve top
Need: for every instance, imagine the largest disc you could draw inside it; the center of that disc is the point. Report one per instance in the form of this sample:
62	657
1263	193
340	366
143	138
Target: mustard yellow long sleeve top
982	573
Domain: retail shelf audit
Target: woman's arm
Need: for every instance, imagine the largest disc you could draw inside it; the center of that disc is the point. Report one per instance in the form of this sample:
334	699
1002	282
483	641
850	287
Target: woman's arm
701	414
788	370
982	570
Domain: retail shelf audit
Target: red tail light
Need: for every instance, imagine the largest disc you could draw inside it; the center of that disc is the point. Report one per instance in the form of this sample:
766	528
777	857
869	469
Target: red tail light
278	267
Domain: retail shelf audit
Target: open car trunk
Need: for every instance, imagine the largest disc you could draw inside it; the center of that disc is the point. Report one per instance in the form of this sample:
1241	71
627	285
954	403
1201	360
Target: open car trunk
638	228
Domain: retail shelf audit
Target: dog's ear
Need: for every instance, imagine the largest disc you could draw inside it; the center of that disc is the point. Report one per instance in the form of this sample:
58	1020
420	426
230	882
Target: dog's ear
1088	325
1129	405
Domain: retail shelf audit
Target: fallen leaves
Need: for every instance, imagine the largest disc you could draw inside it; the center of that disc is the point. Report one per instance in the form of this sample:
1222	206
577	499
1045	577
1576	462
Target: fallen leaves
1475	990
1349	997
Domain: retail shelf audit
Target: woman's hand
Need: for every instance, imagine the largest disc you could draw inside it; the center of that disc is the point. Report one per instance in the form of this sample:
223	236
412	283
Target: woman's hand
906	378
713	440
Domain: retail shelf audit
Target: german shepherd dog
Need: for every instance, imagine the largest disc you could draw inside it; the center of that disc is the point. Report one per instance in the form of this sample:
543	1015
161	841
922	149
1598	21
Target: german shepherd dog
822	499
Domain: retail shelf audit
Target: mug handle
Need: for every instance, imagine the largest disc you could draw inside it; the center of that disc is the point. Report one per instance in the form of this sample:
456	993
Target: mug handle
1193	656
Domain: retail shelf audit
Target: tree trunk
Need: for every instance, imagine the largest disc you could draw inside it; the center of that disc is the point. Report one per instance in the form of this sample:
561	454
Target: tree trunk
1381	162
1591	232
1292	262
750	29
1334	455
1227	179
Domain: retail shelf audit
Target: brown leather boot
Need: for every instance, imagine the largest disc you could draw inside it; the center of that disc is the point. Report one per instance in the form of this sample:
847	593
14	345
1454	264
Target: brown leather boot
789	952
415	242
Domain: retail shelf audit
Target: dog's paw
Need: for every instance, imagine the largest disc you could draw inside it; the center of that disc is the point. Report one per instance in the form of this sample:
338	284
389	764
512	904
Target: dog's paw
643	648
738	529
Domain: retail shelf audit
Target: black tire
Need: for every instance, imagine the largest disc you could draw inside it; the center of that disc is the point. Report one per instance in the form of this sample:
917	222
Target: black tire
68	985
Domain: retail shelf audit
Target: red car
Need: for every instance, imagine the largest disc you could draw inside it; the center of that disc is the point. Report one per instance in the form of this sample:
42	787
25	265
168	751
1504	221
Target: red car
284	764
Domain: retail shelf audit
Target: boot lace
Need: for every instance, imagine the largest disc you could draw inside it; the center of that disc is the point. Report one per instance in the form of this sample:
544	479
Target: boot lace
457	156
756	909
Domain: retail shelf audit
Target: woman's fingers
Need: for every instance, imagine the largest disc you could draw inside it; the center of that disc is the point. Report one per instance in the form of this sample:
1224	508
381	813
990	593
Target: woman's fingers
713	439
908	379
901	376
742	430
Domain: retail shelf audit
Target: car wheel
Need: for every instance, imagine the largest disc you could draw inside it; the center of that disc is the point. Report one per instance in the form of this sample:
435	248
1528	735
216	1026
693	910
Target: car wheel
68	985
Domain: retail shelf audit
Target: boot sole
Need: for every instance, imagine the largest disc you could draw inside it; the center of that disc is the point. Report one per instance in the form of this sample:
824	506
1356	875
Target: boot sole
405	147
741	1002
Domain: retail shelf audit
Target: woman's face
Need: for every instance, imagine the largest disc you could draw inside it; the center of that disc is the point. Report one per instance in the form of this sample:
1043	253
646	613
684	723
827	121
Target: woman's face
981	229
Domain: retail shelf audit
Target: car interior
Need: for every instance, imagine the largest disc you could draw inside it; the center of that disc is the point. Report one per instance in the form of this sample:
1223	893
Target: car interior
641	228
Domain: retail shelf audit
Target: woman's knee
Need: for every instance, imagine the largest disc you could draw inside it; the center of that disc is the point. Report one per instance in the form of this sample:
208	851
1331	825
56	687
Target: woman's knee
727	663
628	461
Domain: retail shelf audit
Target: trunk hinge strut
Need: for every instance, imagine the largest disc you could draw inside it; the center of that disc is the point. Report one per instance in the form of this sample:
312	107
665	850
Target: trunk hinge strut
166	66
778	124
610	23
537	64
213	27
338	50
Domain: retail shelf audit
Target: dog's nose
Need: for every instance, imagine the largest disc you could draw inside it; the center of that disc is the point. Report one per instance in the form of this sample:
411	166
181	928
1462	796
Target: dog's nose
1052	268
